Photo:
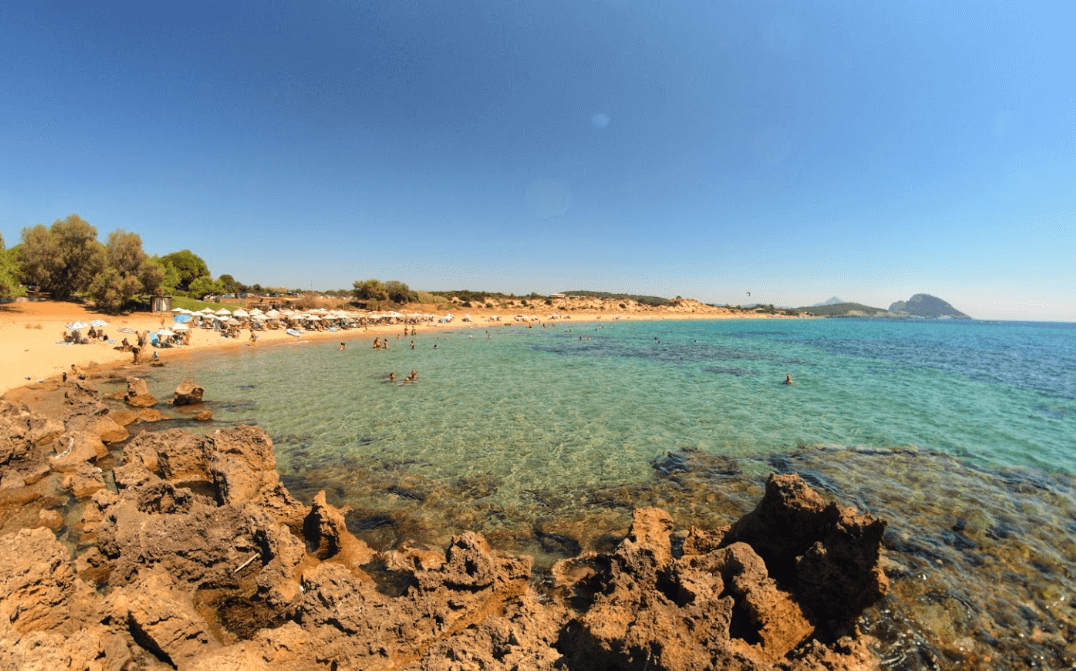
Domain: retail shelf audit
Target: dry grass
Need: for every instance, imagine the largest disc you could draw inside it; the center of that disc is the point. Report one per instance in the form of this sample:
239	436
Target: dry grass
33	326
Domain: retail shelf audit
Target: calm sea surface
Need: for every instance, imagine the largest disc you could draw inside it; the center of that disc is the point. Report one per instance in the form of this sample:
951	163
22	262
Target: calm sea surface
961	433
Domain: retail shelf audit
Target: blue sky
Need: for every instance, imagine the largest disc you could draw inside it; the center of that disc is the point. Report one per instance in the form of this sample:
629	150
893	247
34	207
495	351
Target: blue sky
706	149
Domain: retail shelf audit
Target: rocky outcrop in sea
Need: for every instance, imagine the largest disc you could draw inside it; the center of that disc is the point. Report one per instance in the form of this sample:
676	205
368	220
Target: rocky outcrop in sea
186	550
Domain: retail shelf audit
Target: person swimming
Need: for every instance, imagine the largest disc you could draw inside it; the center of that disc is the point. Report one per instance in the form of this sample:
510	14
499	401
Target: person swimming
788	380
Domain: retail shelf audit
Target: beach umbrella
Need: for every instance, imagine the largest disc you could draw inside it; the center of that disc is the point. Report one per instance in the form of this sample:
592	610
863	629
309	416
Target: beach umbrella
76	326
167	333
231	322
272	314
260	318
97	323
240	313
126	329
180	319
255	311
177	310
206	311
181	327
222	312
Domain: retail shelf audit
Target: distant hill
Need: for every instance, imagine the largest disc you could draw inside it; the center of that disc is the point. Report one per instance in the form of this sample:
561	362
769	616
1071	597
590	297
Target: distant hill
926	306
845	310
832	301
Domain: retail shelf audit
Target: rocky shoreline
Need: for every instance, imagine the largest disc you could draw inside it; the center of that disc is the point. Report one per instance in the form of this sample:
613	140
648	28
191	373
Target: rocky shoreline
187	551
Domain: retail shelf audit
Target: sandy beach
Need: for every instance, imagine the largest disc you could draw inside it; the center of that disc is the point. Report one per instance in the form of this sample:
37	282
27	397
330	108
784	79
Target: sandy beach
32	348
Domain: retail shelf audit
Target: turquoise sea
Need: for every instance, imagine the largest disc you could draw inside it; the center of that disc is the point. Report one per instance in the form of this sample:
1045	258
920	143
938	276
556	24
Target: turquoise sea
961	433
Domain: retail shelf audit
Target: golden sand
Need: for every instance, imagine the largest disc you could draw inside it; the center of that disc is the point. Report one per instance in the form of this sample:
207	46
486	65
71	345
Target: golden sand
31	330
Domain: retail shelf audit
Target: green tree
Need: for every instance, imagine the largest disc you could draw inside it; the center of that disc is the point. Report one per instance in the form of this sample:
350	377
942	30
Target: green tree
129	272
205	286
398	292
371	290
9	273
62	259
169	277
229	285
189	265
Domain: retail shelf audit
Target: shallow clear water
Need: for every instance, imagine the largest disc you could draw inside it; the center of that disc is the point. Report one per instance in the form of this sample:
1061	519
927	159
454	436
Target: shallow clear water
961	433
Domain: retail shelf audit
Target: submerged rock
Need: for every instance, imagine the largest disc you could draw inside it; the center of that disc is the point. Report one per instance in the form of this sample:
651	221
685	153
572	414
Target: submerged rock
209	562
187	393
138	395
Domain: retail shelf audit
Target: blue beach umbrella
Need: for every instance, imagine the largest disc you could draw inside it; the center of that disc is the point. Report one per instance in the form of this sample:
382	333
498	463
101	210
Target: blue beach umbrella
181	318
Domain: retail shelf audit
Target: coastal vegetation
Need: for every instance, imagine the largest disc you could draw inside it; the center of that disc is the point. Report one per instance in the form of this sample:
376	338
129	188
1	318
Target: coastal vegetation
9	274
653	301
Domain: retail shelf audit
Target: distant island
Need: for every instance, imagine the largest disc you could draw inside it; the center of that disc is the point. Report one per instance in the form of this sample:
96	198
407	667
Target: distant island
920	306
926	306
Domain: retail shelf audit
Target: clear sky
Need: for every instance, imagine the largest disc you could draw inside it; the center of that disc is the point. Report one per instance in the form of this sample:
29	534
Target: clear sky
796	150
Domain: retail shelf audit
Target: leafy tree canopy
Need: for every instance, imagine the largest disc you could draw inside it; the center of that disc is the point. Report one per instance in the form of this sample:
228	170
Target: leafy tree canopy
189	265
229	285
399	292
9	273
62	259
204	286
371	290
129	272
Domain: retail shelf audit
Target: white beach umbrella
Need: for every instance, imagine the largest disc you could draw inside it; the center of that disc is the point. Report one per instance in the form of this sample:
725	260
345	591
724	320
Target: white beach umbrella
181	327
177	309
255	311
207	311
231	322
167	333
76	326
260	318
240	313
272	314
223	311
98	323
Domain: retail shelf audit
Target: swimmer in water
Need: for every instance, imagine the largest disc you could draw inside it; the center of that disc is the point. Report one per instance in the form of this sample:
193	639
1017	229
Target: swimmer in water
392	377
788	380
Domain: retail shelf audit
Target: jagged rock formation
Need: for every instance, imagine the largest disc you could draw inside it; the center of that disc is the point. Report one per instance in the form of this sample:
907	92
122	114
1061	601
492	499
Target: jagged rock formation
203	560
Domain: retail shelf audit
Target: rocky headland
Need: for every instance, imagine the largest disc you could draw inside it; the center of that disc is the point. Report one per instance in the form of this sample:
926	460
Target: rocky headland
186	551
